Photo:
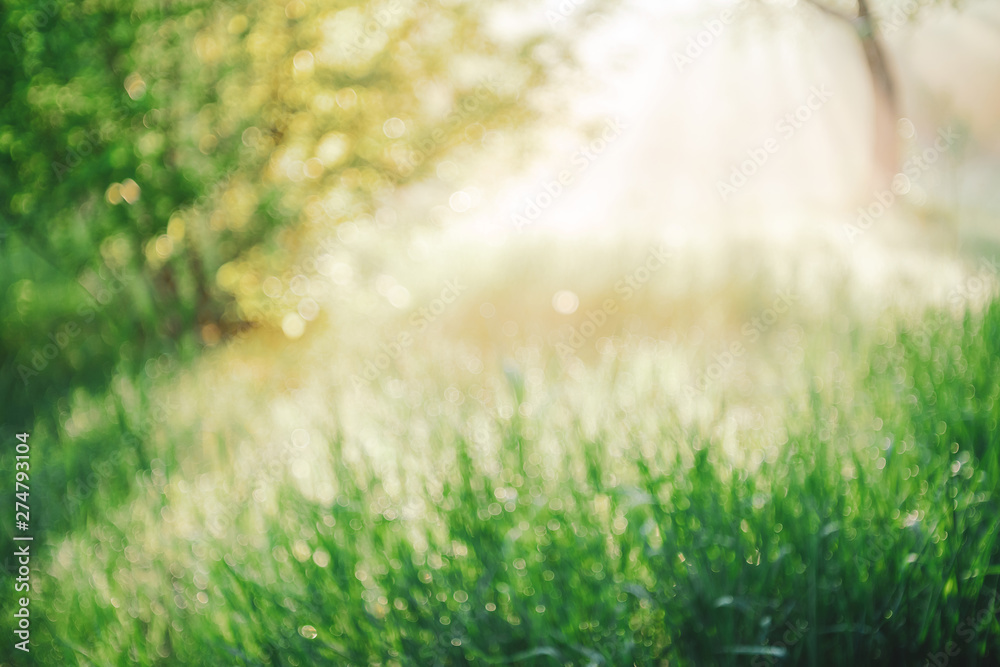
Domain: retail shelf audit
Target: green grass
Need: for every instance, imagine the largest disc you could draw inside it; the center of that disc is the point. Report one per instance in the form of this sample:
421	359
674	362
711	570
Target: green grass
604	526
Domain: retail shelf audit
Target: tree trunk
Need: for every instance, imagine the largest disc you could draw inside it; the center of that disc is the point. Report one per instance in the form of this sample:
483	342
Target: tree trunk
885	151
886	148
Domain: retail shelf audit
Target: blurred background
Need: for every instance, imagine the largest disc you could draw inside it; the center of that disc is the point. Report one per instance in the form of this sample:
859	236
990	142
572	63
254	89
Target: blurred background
298	253
155	179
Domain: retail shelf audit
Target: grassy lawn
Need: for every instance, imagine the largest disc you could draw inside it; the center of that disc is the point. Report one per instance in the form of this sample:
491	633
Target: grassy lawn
522	506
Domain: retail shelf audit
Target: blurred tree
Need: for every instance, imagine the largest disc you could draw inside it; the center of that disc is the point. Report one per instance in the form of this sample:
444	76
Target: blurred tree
866	25
143	146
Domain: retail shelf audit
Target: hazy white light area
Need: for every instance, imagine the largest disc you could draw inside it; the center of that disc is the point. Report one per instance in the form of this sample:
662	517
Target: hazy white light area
776	75
662	134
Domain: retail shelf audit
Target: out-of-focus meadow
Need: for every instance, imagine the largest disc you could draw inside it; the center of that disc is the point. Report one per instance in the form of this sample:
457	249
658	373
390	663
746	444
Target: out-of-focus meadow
441	333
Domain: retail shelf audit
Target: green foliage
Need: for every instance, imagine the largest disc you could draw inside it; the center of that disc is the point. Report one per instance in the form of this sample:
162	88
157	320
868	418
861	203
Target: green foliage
867	536
145	145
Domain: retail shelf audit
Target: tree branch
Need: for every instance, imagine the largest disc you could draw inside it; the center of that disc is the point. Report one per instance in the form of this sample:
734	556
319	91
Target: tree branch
832	12
883	83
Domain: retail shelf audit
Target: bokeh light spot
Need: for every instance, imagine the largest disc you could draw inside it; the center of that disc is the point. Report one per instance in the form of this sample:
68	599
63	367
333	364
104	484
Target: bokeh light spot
293	325
394	128
565	302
